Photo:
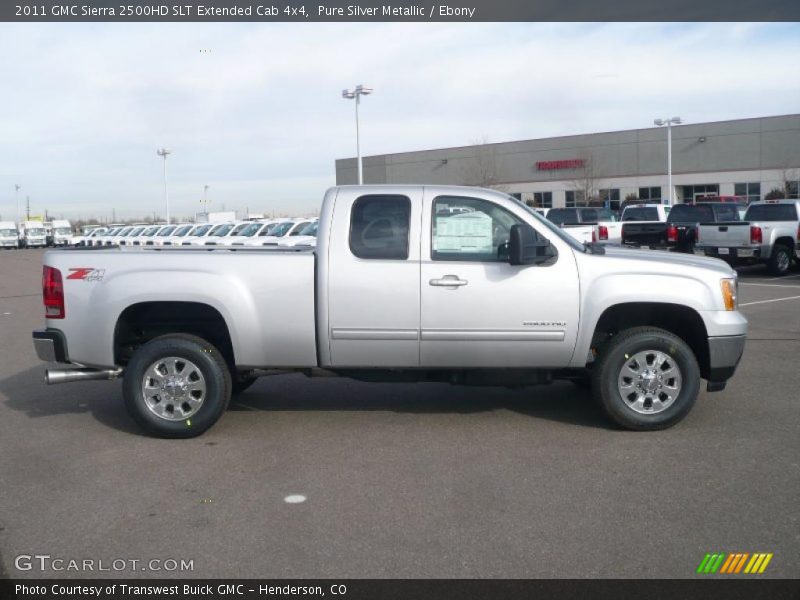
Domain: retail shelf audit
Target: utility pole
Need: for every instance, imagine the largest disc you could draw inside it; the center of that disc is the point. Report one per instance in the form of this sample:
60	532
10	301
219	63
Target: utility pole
27	208
164	152
17	188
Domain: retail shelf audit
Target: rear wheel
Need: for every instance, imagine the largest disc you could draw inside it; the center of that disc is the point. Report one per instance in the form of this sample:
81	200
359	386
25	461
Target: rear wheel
176	386
781	260
646	378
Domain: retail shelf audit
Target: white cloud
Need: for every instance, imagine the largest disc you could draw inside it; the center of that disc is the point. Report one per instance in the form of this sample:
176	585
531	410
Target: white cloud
259	118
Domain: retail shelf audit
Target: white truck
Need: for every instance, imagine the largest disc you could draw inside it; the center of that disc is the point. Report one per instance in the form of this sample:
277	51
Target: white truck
588	223
9	235
35	235
62	233
399	288
769	233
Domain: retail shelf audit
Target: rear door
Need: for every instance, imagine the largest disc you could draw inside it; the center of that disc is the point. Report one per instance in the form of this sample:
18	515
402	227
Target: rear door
477	309
373	279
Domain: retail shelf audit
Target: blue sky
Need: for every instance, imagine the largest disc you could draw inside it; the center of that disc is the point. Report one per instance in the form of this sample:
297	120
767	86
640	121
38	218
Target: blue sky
259	118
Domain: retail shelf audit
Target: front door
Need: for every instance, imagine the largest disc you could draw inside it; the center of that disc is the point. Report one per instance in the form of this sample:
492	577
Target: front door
477	309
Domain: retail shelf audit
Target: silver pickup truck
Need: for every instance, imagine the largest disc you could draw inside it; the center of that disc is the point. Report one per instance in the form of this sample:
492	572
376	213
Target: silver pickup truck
769	233
407	283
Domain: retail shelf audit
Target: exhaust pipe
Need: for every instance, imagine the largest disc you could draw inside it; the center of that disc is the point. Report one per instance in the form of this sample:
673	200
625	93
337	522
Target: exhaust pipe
54	376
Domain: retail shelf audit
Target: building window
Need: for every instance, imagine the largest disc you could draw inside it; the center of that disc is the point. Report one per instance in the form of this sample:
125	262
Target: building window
691	193
793	189
650	194
543	199
574	198
610	198
751	192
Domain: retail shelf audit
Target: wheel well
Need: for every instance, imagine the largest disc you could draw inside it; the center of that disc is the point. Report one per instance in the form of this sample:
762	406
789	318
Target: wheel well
785	241
142	322
680	320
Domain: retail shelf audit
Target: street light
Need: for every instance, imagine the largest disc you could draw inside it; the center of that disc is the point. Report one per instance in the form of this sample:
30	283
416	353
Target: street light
360	90
669	123
17	188
163	153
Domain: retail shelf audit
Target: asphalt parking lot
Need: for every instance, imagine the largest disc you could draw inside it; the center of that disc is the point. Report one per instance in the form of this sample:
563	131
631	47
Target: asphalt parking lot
402	480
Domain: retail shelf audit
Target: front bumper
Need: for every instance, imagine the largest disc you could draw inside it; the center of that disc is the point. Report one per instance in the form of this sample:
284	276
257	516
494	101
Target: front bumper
50	345
724	354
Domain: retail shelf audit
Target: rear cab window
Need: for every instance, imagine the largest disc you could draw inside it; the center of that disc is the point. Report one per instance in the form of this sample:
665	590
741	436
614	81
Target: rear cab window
640	213
379	227
771	212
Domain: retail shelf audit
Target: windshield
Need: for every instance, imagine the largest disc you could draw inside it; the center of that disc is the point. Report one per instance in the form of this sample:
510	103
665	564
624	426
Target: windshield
267	230
771	212
250	230
135	231
182	231
63	230
310	229
563	236
281	228
640	213
222	229
150	231
166	231
8	232
35	231
202	230
239	228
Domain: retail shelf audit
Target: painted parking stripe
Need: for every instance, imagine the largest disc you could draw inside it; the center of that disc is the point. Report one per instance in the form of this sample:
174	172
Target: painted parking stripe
766	301
796	287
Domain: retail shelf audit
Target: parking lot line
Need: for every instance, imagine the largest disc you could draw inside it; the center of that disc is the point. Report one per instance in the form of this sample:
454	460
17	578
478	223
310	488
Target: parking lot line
773	300
772	285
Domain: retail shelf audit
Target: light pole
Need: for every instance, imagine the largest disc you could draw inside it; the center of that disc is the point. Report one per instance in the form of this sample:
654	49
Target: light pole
164	152
17	188
669	123
356	94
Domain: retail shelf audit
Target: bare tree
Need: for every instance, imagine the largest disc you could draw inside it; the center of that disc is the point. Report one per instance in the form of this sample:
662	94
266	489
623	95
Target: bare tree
483	169
586	184
790	178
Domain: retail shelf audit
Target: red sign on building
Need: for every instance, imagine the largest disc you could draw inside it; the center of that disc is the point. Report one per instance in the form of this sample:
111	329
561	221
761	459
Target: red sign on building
552	165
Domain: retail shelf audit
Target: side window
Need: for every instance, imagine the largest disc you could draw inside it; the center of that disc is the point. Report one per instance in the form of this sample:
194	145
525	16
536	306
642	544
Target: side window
589	215
379	227
470	229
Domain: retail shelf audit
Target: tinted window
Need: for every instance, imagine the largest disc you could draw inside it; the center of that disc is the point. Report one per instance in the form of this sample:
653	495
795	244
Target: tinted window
727	212
640	213
771	212
589	215
683	213
559	216
479	231
379	227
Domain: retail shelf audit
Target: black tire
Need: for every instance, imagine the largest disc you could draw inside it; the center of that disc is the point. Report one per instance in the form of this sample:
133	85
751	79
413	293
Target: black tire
780	262
210	364
619	350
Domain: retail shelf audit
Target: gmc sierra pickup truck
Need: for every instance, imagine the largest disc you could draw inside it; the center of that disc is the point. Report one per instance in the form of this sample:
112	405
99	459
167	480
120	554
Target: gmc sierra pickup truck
407	283
770	233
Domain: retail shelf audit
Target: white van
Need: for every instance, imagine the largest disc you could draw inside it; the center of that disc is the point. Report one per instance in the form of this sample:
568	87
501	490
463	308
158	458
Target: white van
35	235
62	233
9	235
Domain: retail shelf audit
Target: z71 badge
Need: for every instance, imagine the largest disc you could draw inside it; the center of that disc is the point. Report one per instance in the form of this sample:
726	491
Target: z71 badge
86	274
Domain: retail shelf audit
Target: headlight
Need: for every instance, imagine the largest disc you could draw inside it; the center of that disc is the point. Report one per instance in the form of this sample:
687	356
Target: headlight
729	292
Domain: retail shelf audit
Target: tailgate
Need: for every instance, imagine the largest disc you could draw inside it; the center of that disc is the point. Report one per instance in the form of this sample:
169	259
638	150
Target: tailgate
644	233
581	232
734	233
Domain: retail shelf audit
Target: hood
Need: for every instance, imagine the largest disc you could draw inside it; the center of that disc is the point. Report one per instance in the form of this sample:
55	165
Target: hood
674	259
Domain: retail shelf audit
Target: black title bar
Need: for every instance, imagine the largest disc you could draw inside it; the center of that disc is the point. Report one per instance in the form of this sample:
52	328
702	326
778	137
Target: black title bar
265	11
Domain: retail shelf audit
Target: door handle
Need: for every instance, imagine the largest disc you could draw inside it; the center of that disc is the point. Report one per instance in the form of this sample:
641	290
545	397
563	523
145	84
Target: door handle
448	281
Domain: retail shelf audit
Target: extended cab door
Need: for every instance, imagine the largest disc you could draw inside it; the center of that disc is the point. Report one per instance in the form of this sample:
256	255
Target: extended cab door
373	278
477	309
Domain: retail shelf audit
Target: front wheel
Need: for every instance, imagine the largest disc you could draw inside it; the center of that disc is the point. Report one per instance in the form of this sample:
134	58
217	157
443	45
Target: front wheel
176	386
646	378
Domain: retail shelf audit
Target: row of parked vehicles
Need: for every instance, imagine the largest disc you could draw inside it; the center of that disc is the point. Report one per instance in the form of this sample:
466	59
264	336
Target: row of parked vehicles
285	232
765	232
35	234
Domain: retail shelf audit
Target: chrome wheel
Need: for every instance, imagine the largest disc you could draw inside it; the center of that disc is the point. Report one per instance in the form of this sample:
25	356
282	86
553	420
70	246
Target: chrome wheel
649	381
173	388
783	261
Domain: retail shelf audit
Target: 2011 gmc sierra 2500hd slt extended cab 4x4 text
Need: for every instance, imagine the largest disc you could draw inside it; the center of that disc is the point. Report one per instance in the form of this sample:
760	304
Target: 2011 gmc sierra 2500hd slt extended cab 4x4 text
407	283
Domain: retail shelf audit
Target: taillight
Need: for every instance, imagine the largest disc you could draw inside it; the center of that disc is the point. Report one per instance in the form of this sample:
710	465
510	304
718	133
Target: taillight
798	233
672	233
603	232
52	293
594	235
755	235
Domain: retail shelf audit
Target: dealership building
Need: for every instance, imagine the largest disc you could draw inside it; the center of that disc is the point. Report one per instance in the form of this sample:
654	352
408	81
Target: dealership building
744	157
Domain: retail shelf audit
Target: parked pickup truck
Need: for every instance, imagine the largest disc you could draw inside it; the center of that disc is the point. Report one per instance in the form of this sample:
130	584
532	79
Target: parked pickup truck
642	224
407	283
678	233
770	233
587	224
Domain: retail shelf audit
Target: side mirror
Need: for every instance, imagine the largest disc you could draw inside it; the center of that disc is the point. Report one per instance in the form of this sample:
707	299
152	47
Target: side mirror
525	247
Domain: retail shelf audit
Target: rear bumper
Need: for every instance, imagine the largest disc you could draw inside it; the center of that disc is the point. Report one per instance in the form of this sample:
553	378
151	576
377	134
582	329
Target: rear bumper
724	354
50	345
747	253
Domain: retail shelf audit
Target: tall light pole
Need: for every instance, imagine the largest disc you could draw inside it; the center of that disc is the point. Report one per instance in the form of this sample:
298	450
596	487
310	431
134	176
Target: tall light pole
669	123
360	90
164	153
17	188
